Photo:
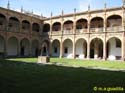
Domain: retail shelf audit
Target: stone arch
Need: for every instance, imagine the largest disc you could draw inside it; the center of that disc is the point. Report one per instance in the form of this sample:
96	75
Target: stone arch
56	39
3	22
56	26
12	46
2	46
56	48
2	15
68	48
67	38
96	48
45	48
35	47
81	48
114	21
68	27
26	25
46	27
113	48
82	25
96	24
76	39
35	27
14	24
108	38
82	22
101	38
25	47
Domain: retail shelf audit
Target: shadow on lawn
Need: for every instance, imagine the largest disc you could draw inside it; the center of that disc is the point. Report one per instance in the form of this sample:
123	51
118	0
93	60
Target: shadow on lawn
21	77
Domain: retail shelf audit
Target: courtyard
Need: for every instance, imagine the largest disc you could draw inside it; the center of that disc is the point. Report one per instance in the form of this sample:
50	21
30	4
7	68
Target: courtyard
24	75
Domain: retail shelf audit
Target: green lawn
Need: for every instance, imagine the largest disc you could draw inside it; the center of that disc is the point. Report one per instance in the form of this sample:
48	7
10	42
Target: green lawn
78	62
21	77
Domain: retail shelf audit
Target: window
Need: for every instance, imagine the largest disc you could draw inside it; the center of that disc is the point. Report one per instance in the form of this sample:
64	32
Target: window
118	43
55	50
66	50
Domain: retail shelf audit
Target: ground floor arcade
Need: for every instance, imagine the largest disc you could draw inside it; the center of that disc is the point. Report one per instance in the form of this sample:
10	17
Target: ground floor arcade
14	47
82	49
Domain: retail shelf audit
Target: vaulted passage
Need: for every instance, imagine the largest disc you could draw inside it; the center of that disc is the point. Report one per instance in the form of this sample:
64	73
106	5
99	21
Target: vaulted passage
25	25
25	47
81	48
114	49
68	48
68	27
46	28
2	22
35	48
96	24
81	26
12	47
2	43
14	24
56	48
45	48
35	27
96	48
114	23
56	26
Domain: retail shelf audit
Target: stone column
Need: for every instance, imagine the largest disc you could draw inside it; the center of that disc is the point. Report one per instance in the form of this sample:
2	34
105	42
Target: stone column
20	26
61	49
88	50
50	49
30	49
104	50
61	42
123	37
51	25
105	20
5	47
50	34
88	43
74	32
88	26
123	17
50	37
123	47
19	48
105	30
31	30
74	50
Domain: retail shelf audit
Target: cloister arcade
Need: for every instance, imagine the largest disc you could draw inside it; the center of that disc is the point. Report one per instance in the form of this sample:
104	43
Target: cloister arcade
96	34
96	24
113	48
19	48
14	24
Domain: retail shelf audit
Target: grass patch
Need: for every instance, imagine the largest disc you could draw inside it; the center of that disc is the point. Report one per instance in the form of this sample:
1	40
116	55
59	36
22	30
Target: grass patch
32	60
91	63
78	62
21	77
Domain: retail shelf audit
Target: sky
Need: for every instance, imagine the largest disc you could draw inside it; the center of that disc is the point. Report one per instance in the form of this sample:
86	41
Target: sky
45	7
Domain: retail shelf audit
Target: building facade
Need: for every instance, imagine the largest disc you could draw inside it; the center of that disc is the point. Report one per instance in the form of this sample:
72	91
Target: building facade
20	34
97	34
